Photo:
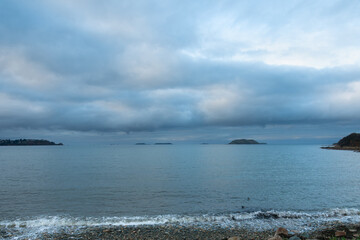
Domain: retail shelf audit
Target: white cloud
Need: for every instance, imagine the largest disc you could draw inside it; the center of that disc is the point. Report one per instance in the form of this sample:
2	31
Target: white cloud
13	108
292	35
17	69
146	65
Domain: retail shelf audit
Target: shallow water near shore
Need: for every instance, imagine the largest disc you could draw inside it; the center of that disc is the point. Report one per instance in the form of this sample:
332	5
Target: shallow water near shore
52	188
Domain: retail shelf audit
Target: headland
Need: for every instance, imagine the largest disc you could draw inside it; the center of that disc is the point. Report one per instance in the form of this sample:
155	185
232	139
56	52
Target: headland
27	142
350	142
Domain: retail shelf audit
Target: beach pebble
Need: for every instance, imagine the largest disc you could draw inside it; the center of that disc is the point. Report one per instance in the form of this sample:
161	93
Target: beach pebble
340	234
282	232
234	238
276	237
305	235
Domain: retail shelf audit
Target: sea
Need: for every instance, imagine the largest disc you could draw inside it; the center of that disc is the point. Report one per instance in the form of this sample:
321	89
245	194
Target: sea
47	189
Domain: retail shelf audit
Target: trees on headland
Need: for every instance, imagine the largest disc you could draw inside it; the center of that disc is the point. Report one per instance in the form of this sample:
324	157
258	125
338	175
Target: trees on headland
26	142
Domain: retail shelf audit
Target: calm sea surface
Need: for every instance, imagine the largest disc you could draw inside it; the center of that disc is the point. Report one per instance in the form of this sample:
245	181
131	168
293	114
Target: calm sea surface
180	184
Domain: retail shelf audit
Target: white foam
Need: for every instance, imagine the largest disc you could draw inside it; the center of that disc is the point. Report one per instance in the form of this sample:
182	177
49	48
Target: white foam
260	220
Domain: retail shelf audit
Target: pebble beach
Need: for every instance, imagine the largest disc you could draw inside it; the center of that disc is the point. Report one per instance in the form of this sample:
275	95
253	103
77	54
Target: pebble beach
331	231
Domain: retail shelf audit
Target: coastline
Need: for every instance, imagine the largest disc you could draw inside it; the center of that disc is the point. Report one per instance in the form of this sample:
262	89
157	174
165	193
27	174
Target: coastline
159	232
355	149
349	143
351	231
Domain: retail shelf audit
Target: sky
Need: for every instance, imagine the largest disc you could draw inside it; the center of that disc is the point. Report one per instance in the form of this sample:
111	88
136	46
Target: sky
120	72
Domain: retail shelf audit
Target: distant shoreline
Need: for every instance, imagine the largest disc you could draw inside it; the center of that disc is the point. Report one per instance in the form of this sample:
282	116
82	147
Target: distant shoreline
28	142
244	142
355	149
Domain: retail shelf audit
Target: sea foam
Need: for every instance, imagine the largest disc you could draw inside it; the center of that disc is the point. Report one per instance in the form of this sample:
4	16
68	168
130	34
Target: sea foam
256	221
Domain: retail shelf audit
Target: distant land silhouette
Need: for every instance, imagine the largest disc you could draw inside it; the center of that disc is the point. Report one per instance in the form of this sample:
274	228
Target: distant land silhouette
350	142
27	142
244	141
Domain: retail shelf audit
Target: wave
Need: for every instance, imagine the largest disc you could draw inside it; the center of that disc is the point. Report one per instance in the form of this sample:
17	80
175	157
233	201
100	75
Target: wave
257	221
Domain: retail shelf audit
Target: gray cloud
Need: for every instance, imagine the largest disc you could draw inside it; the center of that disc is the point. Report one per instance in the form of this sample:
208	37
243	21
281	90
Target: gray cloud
144	66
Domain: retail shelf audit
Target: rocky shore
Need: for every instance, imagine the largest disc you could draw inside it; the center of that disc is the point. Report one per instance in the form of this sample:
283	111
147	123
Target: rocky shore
331	232
350	142
335	147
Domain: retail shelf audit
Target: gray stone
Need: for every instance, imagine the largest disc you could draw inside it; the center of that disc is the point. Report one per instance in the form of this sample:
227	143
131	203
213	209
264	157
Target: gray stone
276	237
340	234
282	232
234	238
305	235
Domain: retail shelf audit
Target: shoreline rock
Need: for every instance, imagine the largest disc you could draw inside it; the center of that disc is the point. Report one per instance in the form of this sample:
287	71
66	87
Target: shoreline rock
355	149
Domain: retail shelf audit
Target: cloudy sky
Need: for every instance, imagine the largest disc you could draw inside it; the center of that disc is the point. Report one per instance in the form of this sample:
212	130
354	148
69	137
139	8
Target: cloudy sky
180	71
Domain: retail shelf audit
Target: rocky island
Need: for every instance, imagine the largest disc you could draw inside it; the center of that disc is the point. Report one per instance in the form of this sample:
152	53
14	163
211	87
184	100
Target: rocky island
244	141
350	142
27	142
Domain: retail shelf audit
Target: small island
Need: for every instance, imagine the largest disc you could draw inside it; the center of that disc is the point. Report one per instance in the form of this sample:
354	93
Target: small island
350	142
27	142
244	141
163	143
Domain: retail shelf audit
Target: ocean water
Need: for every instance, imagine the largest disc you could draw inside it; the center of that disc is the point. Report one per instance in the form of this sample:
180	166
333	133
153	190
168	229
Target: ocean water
60	188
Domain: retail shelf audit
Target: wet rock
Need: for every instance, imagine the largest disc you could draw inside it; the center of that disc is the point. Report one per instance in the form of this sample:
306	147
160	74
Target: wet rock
305	235
282	232
276	237
267	215
294	238
234	238
340	234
